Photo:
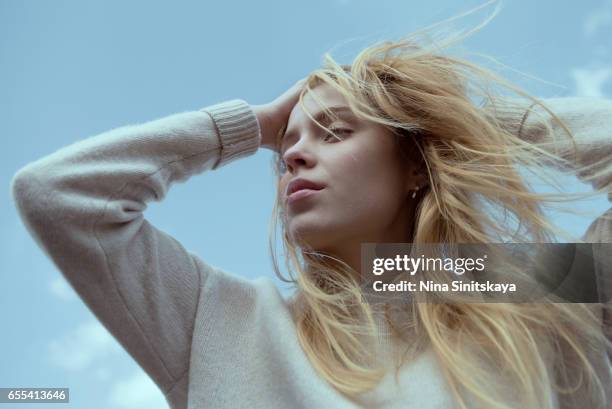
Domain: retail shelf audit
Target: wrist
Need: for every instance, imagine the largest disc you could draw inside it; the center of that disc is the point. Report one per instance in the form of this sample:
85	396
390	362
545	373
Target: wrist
265	117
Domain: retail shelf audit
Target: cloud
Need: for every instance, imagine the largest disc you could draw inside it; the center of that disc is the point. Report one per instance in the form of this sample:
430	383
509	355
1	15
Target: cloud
589	82
598	19
60	288
80	348
136	392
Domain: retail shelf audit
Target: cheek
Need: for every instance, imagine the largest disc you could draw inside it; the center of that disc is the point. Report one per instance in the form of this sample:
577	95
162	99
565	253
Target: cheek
365	164
365	183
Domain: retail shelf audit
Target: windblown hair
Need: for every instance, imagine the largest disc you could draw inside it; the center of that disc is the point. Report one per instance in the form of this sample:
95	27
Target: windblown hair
429	101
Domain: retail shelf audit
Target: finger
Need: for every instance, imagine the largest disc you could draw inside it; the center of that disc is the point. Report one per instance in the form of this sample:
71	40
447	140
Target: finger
297	87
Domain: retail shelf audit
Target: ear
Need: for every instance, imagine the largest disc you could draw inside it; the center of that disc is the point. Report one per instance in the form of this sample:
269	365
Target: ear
416	178
421	179
414	167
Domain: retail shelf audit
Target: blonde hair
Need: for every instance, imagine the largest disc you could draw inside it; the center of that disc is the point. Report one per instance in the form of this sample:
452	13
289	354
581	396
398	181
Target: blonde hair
424	98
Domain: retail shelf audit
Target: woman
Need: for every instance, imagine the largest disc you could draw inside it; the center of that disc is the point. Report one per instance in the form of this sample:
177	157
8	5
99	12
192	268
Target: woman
403	156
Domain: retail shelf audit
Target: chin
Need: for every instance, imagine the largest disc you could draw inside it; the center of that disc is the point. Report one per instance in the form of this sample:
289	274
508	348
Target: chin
316	230
308	237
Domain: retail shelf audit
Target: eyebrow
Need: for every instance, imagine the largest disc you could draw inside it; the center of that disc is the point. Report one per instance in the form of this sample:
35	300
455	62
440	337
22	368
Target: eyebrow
320	116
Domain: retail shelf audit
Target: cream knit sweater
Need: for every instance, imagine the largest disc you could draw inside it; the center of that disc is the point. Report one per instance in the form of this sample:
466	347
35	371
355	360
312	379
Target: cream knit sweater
208	338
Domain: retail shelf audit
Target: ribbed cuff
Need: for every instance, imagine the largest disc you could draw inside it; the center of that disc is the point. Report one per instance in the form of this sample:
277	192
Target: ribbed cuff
237	127
519	116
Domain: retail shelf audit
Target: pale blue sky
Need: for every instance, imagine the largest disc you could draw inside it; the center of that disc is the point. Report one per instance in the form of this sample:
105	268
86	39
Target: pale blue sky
72	69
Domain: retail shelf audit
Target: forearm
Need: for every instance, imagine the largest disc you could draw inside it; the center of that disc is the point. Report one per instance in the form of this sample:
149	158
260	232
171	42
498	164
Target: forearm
589	120
84	206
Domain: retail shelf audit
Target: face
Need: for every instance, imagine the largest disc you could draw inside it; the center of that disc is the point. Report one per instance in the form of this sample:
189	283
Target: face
366	184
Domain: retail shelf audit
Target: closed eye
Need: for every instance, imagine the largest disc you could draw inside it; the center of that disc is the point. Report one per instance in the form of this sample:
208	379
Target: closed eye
337	131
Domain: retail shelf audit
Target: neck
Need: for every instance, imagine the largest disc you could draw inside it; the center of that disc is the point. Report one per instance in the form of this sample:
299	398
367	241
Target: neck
401	230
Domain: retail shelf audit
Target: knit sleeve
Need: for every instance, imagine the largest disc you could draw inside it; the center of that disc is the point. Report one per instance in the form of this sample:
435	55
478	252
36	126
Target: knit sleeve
590	120
84	204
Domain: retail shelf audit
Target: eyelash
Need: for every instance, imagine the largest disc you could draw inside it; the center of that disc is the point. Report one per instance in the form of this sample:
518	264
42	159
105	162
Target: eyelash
281	163
336	130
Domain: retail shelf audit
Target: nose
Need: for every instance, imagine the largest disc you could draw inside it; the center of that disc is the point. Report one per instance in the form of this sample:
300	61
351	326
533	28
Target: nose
298	155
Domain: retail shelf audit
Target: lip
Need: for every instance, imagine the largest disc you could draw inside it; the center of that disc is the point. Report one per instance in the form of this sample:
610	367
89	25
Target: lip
299	184
301	194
